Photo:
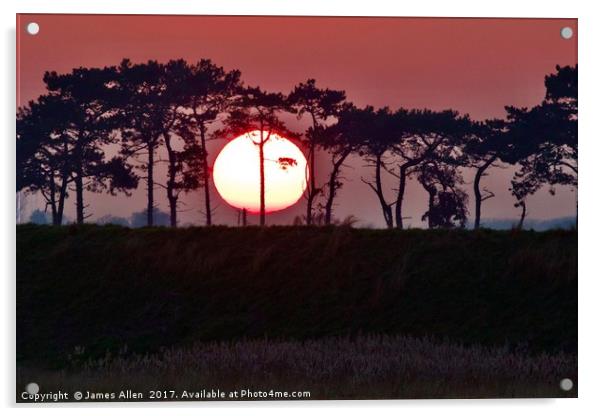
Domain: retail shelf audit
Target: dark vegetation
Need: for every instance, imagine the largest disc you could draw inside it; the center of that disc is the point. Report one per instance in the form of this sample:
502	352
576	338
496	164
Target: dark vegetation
361	367
101	288
101	130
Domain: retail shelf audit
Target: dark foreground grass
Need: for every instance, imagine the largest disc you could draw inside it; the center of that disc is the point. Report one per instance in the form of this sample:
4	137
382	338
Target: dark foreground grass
100	288
365	367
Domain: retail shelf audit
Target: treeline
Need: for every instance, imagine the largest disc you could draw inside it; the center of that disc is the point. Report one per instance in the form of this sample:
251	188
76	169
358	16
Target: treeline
134	220
133	111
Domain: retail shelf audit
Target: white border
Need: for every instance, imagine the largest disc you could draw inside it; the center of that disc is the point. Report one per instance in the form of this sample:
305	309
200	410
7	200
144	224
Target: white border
508	8
590	286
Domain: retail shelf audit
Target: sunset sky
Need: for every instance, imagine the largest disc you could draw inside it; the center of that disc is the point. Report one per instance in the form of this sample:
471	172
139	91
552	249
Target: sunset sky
475	66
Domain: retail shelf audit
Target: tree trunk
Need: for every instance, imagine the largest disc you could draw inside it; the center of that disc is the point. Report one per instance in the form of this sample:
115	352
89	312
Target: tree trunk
244	217
332	186
386	208
261	182
309	211
172	197
477	191
311	186
150	185
523	213
79	181
52	202
477	200
403	170
206	178
61	203
173	212
57	215
400	194
63	189
431	190
432	194
79	195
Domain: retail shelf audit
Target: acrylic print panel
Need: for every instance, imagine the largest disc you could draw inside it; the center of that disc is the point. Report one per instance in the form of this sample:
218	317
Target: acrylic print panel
295	208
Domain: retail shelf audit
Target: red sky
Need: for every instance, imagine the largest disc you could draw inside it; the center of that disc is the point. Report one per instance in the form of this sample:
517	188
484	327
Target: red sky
475	66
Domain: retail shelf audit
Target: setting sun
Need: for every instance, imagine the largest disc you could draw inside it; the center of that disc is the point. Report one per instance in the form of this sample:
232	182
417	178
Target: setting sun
236	172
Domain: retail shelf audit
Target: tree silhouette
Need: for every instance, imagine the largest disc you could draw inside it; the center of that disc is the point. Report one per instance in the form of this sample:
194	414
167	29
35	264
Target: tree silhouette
322	105
171	109
487	144
561	99
43	152
408	139
148	113
258	110
545	143
523	185
381	131
428	135
91	121
562	87
544	139
340	140
184	166
447	202
541	161
211	92
184	155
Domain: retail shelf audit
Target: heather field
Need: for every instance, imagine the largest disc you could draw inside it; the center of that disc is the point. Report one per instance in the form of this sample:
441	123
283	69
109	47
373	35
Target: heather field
339	312
365	367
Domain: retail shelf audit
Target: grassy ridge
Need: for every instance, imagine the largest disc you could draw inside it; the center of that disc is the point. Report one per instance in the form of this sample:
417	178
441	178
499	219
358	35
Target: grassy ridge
105	287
